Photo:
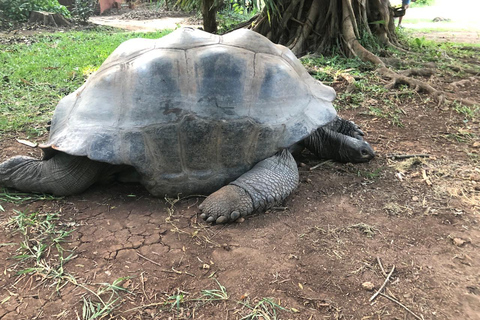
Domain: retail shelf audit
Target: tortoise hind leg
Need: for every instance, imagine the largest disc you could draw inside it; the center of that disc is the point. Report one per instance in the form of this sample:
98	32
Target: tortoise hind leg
268	183
60	175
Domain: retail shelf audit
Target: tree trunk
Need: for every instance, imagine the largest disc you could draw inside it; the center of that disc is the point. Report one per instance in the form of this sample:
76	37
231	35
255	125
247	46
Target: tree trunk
318	25
333	26
48	19
209	14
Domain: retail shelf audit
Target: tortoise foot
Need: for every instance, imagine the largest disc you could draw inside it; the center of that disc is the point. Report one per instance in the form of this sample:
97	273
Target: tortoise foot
226	205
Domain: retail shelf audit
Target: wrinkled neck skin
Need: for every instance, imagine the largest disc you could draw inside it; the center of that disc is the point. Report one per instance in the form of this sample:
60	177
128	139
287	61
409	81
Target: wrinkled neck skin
327	144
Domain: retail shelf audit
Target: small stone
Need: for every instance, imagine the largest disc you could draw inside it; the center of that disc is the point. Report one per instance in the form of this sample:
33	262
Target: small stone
475	177
240	220
414	198
368	286
206	266
458	242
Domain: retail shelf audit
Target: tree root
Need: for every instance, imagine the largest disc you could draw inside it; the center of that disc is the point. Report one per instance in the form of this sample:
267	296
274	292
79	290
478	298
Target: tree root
403	77
324	26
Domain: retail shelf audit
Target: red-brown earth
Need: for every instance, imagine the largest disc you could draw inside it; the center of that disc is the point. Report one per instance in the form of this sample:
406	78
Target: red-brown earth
416	216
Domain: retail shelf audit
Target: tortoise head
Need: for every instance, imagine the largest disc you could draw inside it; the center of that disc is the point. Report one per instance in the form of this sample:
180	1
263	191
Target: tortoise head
355	150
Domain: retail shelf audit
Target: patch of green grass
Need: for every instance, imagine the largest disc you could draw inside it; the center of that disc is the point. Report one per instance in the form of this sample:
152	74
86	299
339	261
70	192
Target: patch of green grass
371	175
214	294
39	231
104	301
265	309
368	230
40	252
330	69
469	112
36	74
22	198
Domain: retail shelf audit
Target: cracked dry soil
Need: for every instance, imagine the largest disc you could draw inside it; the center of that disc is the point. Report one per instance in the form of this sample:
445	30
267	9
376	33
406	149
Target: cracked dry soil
419	215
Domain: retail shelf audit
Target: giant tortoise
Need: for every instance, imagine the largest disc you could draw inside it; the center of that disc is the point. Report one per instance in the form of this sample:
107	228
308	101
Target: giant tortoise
192	113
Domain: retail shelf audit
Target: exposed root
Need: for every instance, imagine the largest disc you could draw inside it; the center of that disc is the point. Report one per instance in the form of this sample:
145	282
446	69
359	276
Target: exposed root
322	26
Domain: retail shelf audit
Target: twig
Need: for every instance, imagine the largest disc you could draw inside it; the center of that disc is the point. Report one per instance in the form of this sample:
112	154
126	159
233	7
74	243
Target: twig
381	267
319	165
383	285
425	177
401	305
150	260
164	270
407	156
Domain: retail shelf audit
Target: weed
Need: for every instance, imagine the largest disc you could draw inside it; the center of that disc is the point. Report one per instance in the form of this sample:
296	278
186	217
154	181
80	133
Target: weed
176	300
365	228
370	175
461	136
468	112
265	309
96	305
22	198
207	296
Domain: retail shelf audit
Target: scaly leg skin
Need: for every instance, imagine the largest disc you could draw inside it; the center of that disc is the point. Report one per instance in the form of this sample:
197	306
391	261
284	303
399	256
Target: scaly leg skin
268	183
60	175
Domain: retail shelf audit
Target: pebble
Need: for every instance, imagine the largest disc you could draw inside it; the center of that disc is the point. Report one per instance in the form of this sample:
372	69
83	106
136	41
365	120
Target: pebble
368	286
458	242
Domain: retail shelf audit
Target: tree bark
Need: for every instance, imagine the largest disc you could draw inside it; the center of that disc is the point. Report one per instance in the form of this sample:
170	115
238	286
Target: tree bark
333	26
317	25
48	19
209	13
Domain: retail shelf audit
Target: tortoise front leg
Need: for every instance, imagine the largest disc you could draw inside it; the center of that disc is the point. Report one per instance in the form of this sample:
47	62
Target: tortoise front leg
345	127
268	183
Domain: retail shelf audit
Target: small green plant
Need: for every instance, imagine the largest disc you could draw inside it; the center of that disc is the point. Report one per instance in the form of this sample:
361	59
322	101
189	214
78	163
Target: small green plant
371	175
266	308
368	230
468	112
214	294
83	9
419	42
97	306
41	238
176	300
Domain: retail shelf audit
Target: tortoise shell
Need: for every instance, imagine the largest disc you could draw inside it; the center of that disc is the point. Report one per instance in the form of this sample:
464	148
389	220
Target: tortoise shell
192	111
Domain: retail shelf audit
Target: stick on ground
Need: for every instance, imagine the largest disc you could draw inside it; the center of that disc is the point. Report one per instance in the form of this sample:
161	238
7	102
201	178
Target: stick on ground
397	302
383	285
381	267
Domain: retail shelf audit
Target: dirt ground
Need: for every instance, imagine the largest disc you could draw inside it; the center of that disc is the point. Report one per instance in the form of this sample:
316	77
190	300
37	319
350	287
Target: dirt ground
415	216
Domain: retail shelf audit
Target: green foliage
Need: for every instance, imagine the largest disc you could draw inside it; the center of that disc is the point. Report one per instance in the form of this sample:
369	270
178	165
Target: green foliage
83	9
422	3
227	18
19	10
